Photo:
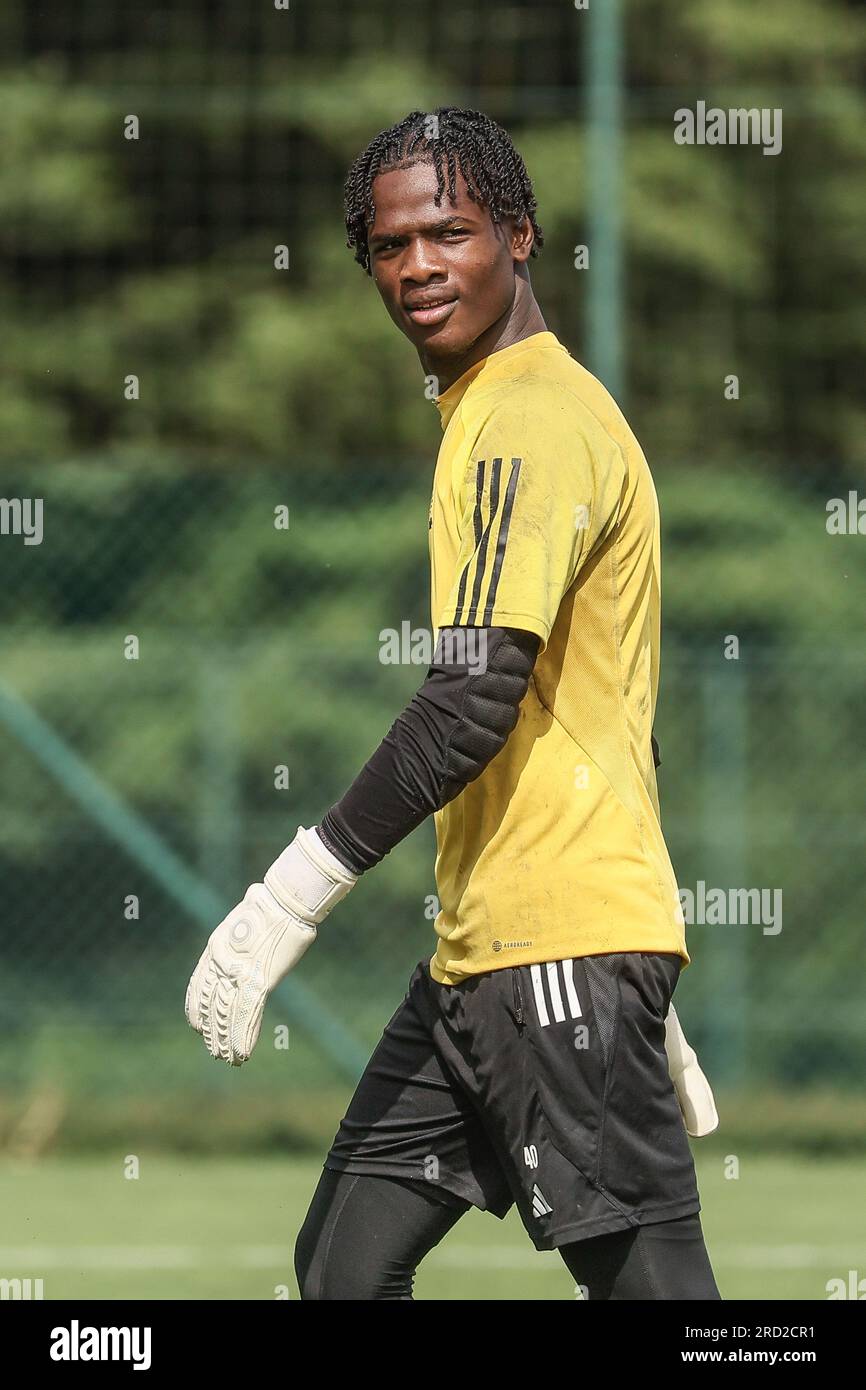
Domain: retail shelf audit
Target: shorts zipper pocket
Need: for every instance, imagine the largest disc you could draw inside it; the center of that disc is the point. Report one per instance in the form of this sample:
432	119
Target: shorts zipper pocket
518	996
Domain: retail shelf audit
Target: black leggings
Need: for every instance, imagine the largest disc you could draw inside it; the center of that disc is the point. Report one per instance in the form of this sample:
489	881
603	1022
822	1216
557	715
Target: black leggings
364	1237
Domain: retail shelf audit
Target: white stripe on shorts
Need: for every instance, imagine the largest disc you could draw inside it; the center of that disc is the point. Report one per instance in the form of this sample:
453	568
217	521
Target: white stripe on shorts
538	990
570	991
553	986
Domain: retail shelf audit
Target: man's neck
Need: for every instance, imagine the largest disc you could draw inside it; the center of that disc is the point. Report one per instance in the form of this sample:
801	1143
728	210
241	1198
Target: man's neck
520	322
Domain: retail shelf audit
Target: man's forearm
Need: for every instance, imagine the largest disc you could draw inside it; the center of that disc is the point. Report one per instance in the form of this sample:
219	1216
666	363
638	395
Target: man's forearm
448	733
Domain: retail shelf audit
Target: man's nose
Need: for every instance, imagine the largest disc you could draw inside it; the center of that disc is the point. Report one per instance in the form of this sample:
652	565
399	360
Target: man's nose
421	262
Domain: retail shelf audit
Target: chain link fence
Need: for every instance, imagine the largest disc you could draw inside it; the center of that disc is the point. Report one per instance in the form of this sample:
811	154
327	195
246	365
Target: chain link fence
234	464
163	734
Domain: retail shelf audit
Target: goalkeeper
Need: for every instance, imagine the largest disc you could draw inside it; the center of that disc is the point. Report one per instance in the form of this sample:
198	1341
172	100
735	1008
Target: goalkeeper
536	1058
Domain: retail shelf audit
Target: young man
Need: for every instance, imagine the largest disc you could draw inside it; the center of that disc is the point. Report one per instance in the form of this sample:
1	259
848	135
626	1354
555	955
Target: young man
530	1060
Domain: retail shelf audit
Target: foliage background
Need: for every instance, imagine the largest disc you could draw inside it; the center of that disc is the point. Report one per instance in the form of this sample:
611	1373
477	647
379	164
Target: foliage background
262	388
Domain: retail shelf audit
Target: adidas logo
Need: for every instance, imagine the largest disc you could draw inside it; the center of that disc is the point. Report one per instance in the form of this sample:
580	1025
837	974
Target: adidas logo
558	976
540	1204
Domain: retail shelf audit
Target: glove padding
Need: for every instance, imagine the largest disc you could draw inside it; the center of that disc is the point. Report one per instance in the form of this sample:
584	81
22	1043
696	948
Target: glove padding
259	942
693	1090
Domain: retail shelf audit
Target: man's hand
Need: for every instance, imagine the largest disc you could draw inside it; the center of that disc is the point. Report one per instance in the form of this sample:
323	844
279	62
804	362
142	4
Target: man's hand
693	1090
259	942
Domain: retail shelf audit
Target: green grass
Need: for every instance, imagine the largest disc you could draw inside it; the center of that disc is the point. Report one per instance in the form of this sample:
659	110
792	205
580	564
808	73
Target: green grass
195	1228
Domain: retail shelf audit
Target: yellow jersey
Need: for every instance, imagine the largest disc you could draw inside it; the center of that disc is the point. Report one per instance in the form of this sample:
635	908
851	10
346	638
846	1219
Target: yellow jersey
544	517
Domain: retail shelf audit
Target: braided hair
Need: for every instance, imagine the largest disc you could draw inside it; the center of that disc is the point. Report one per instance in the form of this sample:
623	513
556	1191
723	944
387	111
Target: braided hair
451	138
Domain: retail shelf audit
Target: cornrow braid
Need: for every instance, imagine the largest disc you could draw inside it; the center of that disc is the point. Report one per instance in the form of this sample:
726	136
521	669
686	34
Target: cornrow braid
451	138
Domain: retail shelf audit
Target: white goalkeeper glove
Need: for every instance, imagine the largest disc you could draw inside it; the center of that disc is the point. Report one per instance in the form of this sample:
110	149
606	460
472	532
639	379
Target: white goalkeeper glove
259	942
693	1090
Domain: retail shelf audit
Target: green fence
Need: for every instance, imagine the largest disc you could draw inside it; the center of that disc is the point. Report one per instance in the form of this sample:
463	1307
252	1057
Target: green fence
163	735
165	390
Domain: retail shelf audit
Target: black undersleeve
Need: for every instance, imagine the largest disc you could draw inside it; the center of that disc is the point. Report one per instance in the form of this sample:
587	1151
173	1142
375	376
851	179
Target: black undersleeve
451	729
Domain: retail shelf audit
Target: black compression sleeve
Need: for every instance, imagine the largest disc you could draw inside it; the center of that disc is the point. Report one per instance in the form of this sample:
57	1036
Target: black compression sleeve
450	730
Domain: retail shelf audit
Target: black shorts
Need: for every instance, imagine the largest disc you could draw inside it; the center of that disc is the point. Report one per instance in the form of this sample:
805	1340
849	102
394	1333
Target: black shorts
545	1085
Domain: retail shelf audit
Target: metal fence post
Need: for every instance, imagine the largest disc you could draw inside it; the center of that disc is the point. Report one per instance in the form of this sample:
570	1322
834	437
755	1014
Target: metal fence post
196	898
724	811
604	308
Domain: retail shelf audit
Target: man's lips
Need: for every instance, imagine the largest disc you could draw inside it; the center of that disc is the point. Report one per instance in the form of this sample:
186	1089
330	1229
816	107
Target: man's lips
431	311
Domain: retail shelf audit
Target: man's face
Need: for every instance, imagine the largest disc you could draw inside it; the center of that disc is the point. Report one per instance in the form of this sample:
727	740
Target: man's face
446	273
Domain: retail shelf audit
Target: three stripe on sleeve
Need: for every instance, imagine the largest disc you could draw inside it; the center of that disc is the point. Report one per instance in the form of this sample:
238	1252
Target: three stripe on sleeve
487	568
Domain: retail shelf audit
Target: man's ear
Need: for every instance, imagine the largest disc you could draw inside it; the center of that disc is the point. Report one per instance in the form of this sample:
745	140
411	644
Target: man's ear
522	239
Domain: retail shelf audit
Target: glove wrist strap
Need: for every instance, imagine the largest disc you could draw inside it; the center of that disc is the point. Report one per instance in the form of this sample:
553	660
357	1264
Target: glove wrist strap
307	879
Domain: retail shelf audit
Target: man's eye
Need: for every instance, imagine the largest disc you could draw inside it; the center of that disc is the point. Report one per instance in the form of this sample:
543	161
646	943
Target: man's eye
455	231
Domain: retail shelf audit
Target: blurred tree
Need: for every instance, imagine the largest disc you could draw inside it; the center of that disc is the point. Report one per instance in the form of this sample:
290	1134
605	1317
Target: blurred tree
155	256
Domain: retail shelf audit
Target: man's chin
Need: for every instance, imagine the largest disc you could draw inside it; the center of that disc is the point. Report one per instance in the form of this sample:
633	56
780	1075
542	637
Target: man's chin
446	344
